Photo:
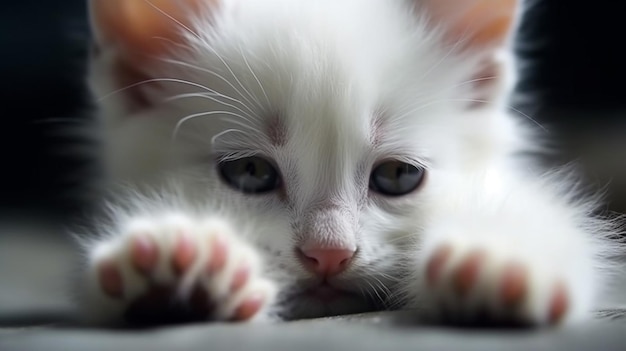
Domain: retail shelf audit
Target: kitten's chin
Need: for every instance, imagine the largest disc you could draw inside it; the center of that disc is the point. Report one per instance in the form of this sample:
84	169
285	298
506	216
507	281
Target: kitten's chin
325	301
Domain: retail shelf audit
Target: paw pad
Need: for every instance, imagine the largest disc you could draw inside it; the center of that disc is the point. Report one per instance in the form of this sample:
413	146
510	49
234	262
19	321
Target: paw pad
164	274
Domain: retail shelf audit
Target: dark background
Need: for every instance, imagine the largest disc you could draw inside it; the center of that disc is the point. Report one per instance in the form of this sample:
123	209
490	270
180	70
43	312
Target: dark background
574	72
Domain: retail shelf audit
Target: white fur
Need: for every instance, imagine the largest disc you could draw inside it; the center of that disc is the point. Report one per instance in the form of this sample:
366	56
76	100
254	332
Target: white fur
329	68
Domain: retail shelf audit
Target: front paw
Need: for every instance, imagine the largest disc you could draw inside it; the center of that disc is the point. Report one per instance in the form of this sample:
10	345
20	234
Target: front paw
171	270
477	285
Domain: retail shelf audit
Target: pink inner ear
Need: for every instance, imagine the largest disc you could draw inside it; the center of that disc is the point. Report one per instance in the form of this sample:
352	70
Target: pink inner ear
126	76
137	32
143	28
478	23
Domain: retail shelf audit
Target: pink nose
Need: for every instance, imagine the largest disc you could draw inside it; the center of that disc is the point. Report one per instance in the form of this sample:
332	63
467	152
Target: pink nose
326	262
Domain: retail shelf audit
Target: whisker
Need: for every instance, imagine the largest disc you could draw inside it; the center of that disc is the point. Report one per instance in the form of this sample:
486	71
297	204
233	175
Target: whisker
470	81
232	73
215	137
245	60
173	43
237	79
155	80
173	19
212	97
217	75
388	276
395	299
241	124
382	286
375	291
198	115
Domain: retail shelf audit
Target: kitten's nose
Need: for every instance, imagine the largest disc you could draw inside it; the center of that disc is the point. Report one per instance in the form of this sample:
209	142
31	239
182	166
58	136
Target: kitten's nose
326	262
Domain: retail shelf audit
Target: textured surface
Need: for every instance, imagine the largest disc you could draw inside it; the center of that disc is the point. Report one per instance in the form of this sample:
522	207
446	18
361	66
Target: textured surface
375	332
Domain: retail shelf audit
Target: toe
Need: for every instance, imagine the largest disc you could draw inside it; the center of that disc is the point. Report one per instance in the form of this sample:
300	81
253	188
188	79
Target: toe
184	253
110	280
242	274
514	284
217	255
249	307
437	263
144	254
558	305
467	272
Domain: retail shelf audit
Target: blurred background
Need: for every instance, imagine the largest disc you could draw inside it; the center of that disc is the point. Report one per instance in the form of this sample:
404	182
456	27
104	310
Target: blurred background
573	68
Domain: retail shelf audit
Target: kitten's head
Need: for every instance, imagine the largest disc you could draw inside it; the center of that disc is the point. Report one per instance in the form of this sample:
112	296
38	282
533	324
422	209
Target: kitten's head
330	123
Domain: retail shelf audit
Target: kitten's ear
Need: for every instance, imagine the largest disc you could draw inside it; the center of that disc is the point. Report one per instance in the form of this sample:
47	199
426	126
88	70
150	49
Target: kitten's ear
138	29
482	28
129	36
472	24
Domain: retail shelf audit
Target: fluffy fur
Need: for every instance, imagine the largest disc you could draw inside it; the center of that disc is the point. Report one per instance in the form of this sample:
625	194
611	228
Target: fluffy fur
326	90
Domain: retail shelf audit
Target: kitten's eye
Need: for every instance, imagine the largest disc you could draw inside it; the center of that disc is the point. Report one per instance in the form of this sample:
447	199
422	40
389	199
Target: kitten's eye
395	178
252	175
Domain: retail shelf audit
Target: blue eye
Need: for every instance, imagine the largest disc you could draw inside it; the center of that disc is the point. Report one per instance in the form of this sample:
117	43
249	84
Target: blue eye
395	178
250	175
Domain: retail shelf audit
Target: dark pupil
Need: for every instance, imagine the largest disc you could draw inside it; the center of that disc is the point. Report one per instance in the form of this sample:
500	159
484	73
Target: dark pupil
404	169
251	168
396	178
250	175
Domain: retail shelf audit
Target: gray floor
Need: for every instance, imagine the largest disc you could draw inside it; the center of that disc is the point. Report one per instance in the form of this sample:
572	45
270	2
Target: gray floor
34	311
315	335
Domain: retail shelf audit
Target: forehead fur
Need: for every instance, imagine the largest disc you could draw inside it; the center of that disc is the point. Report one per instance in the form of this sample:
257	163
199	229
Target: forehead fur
325	76
318	65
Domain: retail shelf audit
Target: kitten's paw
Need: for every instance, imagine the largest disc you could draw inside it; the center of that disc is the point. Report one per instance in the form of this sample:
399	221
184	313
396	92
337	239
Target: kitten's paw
174	270
476	286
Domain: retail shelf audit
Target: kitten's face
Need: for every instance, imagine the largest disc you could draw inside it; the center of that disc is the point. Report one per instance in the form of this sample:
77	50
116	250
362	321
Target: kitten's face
326	125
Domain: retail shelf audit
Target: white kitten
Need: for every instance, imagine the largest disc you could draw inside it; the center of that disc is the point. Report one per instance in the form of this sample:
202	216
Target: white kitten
308	158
